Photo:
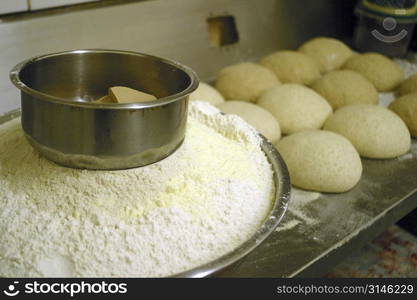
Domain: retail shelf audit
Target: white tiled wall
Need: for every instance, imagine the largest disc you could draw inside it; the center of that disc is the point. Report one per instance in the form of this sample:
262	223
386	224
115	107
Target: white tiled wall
42	4
13	6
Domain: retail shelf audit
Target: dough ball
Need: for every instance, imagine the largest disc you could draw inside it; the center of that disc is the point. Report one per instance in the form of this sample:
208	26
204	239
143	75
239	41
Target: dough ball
245	81
207	93
406	108
292	67
344	87
383	72
256	116
296	107
375	131
408	86
321	161
329	54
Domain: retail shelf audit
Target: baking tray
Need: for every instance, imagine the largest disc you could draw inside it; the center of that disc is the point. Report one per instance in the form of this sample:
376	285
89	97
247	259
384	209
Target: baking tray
279	207
326	229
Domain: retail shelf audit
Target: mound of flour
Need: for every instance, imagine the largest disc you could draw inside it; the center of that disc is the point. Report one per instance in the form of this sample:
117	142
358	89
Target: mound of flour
186	210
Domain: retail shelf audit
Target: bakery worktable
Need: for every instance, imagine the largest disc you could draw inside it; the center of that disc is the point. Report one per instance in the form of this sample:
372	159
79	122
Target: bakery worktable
335	225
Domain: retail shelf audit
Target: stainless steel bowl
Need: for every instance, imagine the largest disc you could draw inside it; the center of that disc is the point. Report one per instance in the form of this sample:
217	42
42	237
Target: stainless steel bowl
61	121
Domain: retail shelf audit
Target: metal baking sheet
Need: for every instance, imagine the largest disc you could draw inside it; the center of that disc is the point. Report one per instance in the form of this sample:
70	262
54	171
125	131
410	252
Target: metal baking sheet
386	192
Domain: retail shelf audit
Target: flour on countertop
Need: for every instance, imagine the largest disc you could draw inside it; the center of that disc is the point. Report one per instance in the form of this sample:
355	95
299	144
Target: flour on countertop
299	200
287	225
297	208
198	204
409	69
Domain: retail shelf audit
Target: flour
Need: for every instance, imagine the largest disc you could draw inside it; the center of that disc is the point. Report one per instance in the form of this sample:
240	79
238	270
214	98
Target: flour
198	204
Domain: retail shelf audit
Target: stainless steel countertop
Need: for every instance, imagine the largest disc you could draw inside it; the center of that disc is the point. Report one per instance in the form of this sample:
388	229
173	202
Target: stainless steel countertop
386	192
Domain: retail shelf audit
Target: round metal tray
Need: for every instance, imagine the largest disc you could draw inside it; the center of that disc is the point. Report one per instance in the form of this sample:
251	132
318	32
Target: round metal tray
279	207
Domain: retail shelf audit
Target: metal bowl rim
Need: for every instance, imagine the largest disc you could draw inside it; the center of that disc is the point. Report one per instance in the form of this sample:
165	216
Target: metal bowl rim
15	78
